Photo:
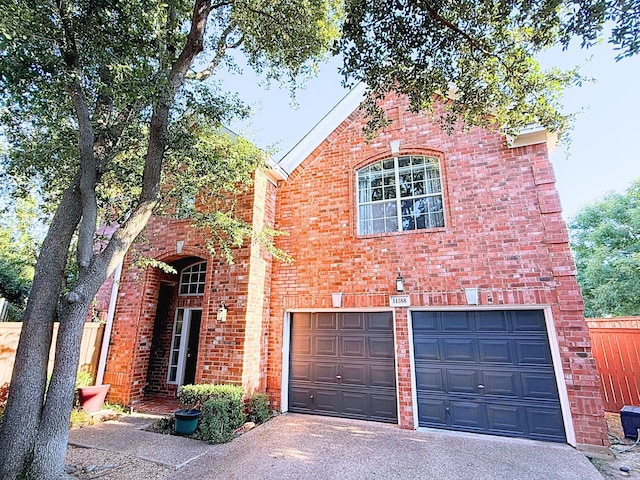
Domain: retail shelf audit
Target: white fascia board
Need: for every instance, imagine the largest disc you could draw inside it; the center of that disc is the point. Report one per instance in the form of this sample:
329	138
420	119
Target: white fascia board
275	172
323	129
532	135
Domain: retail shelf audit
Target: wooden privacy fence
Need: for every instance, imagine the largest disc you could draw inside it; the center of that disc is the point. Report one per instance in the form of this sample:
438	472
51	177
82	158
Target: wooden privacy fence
89	350
616	350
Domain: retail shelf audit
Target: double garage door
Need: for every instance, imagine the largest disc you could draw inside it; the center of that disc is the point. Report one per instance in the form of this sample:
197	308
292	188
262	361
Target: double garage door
485	371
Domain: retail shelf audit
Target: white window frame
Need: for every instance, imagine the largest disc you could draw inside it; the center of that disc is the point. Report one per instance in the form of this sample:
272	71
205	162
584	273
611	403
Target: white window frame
398	199
203	283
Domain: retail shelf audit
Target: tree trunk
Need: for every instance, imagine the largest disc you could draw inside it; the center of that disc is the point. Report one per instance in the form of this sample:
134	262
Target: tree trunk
53	432
26	393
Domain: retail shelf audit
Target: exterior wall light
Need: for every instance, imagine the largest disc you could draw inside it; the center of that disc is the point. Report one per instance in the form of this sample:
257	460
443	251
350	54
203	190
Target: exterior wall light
399	283
221	315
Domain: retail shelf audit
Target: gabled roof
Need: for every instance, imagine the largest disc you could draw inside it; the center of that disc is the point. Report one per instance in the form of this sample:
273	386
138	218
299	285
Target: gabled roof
530	135
323	129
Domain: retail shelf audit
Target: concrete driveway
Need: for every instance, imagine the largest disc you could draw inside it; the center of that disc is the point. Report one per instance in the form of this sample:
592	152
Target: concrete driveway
295	446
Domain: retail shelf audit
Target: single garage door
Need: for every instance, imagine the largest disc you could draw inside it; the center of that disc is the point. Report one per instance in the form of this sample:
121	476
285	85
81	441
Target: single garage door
343	365
487	372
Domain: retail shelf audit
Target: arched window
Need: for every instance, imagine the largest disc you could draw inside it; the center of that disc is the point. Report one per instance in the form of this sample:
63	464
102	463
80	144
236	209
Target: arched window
192	279
399	194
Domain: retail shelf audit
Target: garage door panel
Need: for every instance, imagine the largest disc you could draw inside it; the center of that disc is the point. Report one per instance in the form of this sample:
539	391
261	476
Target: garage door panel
353	347
355	404
427	349
467	414
379	322
492	321
495	351
303	345
383	406
300	399
457	322
301	371
432	412
304	323
326	346
326	400
352	321
324	372
503	384
430	379
545	423
353	374
495	374
325	321
533	352
528	321
459	350
462	381
505	418
539	385
383	376
381	347
424	322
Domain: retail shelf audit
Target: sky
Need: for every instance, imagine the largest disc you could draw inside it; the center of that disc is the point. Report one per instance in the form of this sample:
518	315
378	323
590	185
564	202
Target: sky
601	156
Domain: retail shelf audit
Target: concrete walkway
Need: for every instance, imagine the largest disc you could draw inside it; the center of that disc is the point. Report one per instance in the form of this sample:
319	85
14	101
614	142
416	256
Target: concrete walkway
294	446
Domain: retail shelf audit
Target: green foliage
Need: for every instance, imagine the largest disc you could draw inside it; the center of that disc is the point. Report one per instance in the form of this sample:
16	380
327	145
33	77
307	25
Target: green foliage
194	396
20	237
259	408
164	425
605	238
480	54
84	379
220	417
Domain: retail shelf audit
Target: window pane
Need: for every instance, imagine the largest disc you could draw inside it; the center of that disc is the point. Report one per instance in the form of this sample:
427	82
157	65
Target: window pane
378	226
192	279
417	182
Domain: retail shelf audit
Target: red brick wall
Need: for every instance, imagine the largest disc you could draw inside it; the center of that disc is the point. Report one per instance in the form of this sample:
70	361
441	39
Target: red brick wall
504	233
229	352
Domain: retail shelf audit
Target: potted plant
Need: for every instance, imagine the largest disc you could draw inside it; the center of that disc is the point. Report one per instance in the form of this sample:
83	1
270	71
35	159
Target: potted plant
90	397
186	421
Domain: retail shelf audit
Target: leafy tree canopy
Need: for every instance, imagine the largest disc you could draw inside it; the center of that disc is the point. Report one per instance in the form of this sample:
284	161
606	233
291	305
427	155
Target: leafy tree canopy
605	237
479	53
20	238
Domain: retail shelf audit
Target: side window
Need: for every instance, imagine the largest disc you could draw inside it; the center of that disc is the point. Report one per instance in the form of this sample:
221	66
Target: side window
399	194
192	279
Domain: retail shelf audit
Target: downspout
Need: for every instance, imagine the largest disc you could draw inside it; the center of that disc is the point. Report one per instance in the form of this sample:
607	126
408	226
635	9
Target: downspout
106	338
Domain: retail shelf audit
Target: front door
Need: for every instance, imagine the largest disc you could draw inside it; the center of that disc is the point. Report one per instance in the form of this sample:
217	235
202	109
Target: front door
184	346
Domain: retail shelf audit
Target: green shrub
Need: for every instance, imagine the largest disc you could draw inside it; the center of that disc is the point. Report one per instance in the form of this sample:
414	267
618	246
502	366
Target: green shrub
219	419
259	408
194	396
84	379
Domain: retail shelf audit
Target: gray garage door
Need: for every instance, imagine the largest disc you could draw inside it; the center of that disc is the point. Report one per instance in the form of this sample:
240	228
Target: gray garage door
486	372
343	365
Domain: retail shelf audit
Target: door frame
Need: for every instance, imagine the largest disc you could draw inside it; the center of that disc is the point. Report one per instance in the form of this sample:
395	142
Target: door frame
555	357
184	344
286	348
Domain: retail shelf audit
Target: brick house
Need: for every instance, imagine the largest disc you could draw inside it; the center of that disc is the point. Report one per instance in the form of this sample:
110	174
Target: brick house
432	285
